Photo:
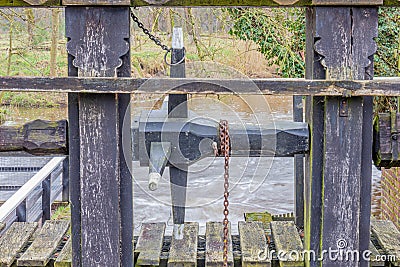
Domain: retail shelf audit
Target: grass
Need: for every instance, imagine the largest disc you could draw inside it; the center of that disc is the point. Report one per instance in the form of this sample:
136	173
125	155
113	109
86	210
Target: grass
62	213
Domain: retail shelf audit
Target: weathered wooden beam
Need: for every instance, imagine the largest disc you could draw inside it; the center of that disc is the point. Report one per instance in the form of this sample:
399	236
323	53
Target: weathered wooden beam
36	137
98	43
198	3
338	180
270	86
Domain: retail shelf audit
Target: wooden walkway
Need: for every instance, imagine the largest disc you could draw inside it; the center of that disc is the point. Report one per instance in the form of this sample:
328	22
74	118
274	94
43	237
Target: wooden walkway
25	244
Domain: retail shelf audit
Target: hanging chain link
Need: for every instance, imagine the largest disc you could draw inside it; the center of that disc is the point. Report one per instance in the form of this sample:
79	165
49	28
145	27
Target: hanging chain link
157	41
147	32
225	151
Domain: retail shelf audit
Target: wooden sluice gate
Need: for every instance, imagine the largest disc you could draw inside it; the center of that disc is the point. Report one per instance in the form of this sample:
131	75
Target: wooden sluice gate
334	176
26	244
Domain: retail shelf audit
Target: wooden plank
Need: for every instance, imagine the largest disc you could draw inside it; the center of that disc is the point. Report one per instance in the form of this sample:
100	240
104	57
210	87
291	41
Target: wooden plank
13	202
215	245
388	237
375	259
178	108
268	86
96	2
15	238
44	245
149	244
287	241
35	137
298	167
183	252
64	259
125	155
194	3
253	244
347	2
346	48
314	116
91	32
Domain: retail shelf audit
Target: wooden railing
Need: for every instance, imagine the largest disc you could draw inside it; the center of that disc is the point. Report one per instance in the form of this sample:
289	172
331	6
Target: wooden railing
23	204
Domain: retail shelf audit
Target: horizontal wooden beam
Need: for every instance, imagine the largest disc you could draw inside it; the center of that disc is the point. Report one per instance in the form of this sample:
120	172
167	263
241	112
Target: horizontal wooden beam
197	3
376	87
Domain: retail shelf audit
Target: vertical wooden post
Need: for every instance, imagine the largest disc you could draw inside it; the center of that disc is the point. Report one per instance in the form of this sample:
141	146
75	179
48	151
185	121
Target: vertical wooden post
298	167
98	46
177	108
65	180
22	211
338	181
46	199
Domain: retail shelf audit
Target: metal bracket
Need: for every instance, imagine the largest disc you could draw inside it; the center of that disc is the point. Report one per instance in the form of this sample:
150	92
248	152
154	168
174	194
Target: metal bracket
344	107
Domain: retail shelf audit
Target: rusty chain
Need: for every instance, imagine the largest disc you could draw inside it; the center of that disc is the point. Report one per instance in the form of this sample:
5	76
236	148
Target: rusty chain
225	151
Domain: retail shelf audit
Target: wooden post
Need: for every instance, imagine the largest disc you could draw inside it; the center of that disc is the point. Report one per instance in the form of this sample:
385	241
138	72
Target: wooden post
338	180
46	199
298	167
102	221
65	180
177	108
21	212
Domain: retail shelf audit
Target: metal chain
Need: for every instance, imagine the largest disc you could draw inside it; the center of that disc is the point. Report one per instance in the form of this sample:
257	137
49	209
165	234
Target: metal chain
147	32
157	41
225	151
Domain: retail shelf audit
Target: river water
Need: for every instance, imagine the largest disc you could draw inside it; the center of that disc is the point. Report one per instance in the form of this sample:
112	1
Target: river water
257	184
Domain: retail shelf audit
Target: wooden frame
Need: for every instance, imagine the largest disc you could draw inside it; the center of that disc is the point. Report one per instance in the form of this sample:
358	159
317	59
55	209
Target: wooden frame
345	88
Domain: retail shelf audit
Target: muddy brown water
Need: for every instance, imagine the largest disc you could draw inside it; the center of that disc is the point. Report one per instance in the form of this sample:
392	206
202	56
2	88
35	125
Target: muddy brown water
257	184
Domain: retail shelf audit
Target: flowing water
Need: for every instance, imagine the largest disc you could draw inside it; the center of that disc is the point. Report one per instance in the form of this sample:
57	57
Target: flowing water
257	184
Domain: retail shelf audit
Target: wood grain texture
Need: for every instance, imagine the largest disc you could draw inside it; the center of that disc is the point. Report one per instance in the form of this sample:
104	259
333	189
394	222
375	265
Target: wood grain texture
100	223
253	244
35	137
345	44
12	242
94	42
269	86
388	237
93	2
287	239
347	2
314	161
97	49
386	140
215	245
346	47
149	244
194	3
183	252
375	259
44	245
64	259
